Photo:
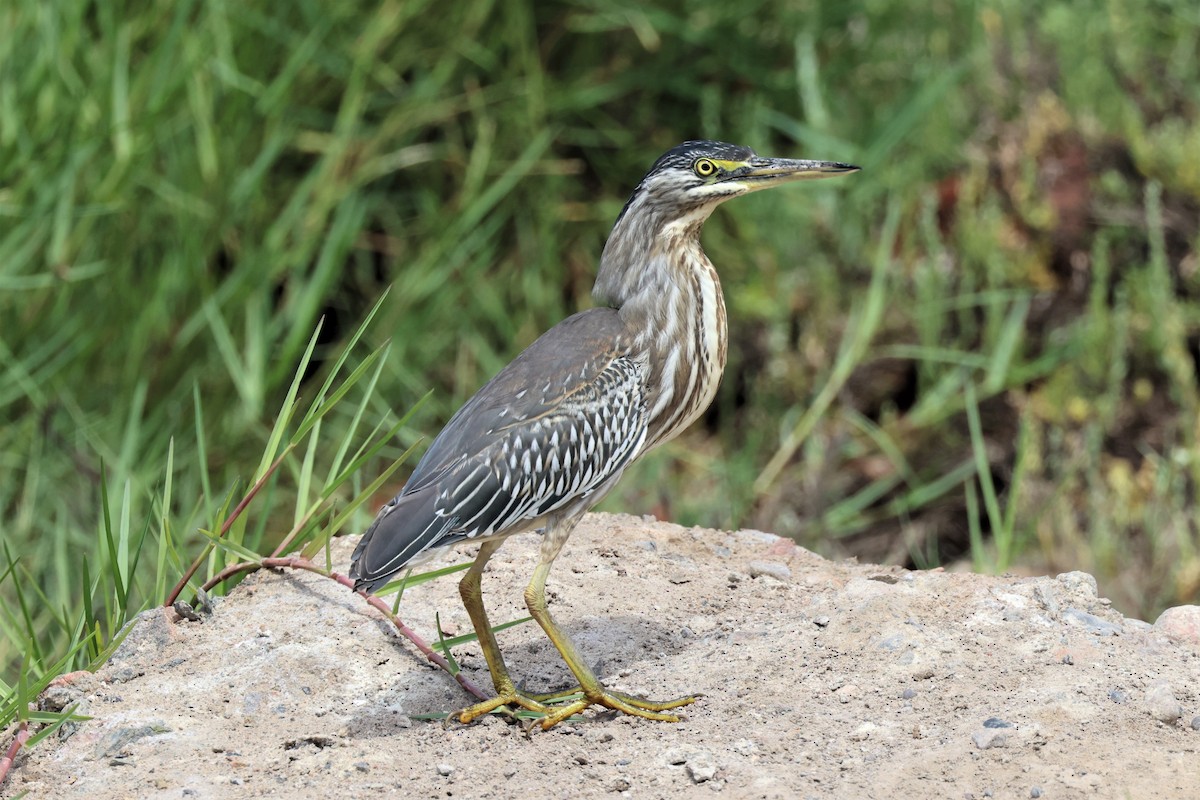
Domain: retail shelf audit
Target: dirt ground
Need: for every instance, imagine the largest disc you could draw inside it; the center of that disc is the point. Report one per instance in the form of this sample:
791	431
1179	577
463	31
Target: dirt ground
820	679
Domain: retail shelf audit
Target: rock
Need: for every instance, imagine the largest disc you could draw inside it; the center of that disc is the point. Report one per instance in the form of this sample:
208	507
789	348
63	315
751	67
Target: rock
1118	695
863	732
1181	623
1098	626
445	770
115	742
848	692
1078	583
701	767
675	756
1161	704
996	722
771	569
989	738
751	536
1196	723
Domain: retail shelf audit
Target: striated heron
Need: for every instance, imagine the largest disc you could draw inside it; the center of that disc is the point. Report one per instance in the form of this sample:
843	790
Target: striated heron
549	436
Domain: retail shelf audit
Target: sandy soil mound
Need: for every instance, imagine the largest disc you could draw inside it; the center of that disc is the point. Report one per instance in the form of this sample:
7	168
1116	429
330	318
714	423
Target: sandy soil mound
821	680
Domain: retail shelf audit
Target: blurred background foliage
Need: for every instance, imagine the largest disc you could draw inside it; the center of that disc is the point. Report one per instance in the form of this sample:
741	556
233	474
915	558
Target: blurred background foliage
187	188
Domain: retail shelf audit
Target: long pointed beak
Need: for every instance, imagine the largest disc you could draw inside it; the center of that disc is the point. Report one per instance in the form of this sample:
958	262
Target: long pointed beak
764	172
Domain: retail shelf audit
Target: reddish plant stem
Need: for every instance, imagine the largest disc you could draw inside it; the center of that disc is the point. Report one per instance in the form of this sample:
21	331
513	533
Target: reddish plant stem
14	748
299	562
233	515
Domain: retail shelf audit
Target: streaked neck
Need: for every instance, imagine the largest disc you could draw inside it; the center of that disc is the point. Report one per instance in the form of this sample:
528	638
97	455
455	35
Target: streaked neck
669	295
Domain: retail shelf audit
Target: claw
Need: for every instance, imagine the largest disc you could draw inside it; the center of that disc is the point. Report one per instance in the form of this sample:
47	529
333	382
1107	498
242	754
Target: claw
551	715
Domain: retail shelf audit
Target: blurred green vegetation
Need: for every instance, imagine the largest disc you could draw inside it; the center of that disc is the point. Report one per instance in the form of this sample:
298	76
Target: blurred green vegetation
981	349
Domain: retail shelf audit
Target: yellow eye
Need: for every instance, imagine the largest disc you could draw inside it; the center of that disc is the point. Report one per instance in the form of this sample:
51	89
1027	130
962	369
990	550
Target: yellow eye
704	168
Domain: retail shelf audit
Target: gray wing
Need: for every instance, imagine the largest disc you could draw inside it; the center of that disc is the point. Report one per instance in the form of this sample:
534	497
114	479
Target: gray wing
551	428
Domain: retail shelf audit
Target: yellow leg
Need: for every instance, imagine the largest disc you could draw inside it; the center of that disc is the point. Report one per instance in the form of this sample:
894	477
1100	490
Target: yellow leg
471	590
594	692
507	694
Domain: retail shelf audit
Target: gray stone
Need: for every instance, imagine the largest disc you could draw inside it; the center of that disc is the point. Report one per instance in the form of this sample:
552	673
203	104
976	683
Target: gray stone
676	756
771	569
990	737
1161	704
1098	626
445	770
701	767
114	743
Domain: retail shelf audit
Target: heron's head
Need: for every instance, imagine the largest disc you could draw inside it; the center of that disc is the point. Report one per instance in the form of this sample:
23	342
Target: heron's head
691	179
657	235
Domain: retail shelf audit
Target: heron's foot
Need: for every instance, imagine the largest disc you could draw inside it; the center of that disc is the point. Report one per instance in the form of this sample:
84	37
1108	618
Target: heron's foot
577	693
617	701
555	707
504	702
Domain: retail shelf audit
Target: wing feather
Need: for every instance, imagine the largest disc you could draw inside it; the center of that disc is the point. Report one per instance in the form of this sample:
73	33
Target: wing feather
513	453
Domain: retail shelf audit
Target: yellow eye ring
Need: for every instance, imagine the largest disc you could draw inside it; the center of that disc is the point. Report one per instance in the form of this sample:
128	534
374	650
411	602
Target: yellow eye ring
704	168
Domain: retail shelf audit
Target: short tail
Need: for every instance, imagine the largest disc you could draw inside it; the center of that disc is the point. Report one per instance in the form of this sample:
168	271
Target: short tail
404	529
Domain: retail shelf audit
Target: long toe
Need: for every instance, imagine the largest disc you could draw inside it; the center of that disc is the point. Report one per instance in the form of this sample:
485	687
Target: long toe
509	699
626	704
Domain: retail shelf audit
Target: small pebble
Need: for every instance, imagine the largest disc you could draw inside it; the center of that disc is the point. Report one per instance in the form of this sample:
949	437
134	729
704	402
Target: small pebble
1036	791
676	756
908	694
848	692
996	722
362	766
445	770
987	739
1117	695
1068	659
701	767
771	569
1161	704
1196	723
821	622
